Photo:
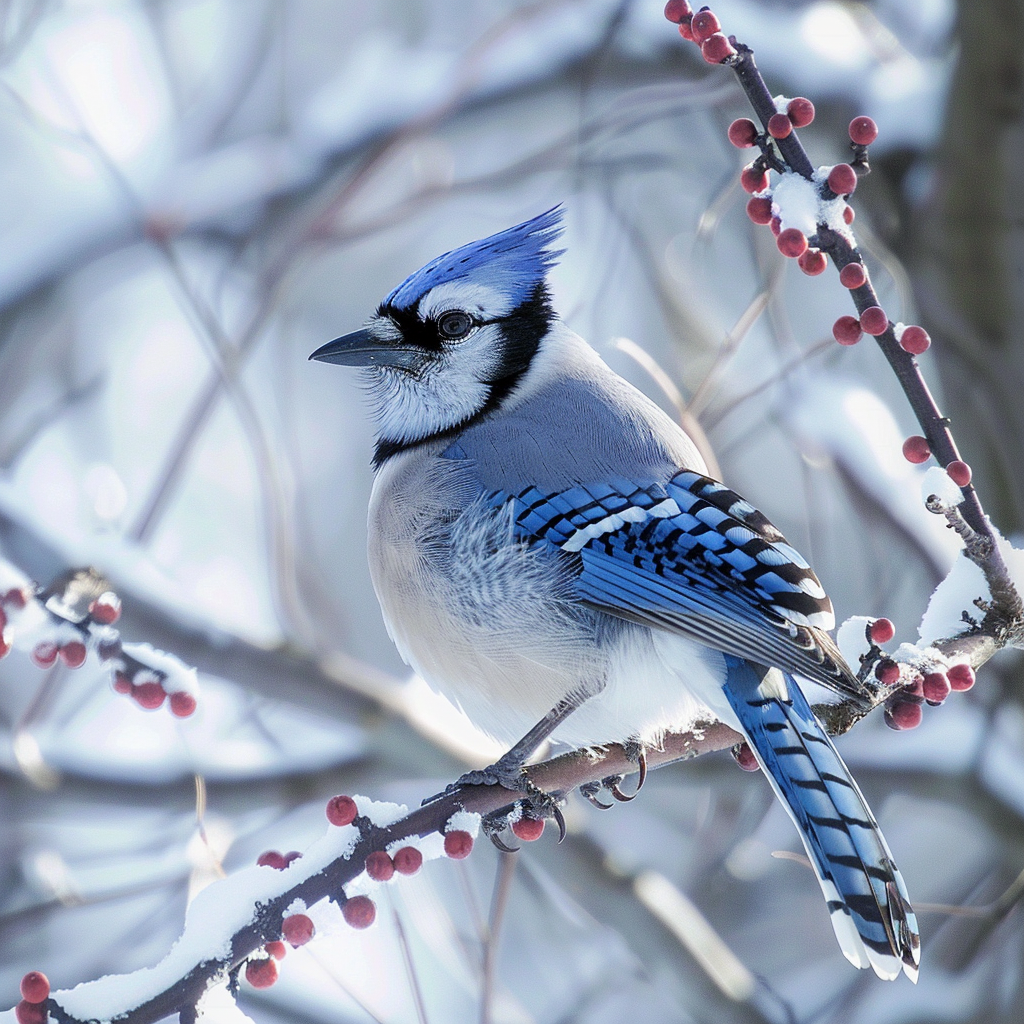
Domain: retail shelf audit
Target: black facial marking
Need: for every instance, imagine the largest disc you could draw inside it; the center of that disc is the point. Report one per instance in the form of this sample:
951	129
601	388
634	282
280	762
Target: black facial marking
521	331
416	333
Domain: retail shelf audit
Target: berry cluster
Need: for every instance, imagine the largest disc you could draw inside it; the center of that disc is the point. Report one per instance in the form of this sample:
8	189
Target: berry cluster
65	623
276	860
929	682
381	866
702	28
261	969
148	690
35	990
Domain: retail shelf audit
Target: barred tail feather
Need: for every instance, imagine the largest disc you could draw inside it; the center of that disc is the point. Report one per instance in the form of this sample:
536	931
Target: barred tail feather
867	900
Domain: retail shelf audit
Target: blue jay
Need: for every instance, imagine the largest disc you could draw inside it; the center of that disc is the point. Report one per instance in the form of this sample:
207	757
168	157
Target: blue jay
550	553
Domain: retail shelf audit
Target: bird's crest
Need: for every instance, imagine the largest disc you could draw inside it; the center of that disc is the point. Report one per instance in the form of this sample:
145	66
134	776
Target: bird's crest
512	262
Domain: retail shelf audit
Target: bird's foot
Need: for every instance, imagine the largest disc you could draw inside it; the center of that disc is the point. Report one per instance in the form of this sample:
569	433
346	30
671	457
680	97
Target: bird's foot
510	774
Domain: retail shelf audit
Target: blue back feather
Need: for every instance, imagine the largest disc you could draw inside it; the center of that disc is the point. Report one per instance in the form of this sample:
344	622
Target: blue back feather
512	262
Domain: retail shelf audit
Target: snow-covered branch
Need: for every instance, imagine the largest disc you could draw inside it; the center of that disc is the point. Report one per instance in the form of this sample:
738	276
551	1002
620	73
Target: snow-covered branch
237	924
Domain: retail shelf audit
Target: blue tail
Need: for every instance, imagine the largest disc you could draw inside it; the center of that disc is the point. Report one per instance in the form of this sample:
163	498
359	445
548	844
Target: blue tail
866	897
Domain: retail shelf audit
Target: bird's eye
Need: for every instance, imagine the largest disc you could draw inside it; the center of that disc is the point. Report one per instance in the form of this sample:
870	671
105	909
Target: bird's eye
454	325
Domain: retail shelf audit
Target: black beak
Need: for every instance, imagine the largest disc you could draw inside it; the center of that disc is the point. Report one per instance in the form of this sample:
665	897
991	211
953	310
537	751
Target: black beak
361	348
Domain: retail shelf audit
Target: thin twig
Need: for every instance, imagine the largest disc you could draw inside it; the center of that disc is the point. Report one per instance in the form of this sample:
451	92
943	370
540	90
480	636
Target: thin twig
410	969
499	902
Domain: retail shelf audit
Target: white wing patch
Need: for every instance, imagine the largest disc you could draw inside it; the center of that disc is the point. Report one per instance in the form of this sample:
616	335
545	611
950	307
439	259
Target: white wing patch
773	686
581	537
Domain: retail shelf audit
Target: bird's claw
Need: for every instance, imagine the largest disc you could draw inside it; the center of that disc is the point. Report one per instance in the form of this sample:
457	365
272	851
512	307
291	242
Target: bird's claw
591	789
612	783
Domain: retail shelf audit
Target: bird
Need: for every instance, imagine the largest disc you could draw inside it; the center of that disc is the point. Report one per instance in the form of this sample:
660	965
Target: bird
550	553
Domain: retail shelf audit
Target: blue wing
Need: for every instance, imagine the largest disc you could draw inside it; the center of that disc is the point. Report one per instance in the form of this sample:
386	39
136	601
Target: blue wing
691	556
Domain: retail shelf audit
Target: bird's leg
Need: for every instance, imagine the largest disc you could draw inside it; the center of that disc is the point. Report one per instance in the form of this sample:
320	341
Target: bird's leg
508	771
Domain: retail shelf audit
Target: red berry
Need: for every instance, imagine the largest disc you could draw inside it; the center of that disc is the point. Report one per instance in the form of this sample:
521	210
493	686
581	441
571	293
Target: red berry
812	262
182	704
458	845
752	179
852	275
776	226
745	757
73	654
874	321
759	209
846	330
959	472
106	608
261	973
30	1013
15	598
528	829
684	29
743	133
271	859
341	810
842	179
3	618
848	214
149	695
276	949
297	929
915	689
408	860
863	131
881	631
121	683
935	687
379	866
291	856
780	126
792	242
44	654
916	449
5	645
35	987
903	714
801	111
359	911
676	10
716	48
887	672
704	25
961	677
915	340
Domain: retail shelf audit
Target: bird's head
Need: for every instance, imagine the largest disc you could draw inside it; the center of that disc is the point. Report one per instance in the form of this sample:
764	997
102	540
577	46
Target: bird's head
451	342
